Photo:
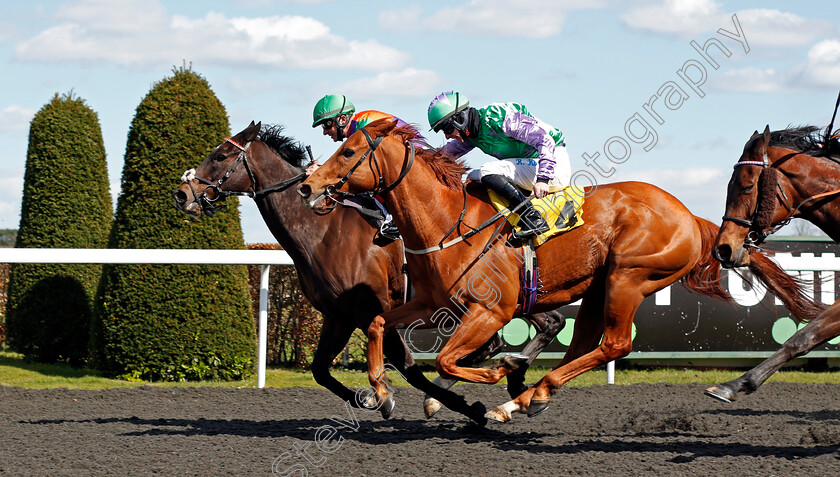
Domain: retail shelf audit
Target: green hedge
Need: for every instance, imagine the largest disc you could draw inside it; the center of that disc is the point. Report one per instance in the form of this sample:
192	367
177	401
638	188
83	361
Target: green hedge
66	203
173	322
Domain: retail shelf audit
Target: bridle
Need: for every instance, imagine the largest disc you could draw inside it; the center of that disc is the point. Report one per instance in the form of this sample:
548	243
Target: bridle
208	201
758	234
336	196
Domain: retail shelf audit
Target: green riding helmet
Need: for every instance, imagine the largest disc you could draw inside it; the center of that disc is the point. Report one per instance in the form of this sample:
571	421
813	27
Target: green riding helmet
443	106
330	106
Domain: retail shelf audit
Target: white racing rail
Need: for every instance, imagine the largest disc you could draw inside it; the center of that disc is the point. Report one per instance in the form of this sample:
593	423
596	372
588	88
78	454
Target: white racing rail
265	258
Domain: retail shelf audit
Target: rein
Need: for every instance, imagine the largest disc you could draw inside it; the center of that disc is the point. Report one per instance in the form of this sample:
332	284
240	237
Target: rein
215	188
337	196
758	234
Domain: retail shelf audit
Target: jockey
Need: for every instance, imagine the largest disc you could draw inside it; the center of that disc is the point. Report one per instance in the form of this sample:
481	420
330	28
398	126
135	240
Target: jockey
334	113
533	154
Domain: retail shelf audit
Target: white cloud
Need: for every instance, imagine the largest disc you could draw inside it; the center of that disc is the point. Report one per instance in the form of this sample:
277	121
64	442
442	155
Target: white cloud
406	83
823	68
138	33
762	27
680	17
773	28
820	70
494	18
15	117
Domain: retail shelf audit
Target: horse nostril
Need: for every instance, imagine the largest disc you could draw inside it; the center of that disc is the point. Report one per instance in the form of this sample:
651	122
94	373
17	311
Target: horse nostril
180	196
304	190
722	253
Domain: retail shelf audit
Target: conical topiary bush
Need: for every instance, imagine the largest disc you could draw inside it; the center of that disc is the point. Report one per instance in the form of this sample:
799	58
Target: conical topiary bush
66	204
173	322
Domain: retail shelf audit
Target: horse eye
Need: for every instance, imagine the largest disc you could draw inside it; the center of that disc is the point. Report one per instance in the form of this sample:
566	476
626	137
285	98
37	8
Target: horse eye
748	189
219	156
347	153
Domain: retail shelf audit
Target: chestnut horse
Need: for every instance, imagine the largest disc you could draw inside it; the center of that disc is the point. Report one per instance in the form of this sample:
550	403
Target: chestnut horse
636	239
346	276
780	175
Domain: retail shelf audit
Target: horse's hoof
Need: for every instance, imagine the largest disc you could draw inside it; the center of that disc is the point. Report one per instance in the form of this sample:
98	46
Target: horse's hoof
478	413
366	399
721	393
431	406
387	407
514	361
498	415
503	413
537	407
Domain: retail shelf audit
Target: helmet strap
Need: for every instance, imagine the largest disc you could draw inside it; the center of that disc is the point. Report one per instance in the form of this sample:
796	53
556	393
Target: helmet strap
466	122
340	125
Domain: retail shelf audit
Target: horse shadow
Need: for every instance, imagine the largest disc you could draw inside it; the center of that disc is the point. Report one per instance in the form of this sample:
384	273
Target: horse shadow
392	431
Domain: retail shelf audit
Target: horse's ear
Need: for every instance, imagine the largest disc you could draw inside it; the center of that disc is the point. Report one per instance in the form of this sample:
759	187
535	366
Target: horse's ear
381	127
252	131
766	139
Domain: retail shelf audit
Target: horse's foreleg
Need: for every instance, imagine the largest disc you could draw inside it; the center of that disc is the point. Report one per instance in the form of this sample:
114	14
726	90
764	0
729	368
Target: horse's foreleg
815	333
334	337
467	338
414	315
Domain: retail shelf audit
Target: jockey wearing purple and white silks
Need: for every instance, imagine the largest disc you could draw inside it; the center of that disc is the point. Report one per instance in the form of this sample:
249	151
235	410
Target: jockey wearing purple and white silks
532	150
533	154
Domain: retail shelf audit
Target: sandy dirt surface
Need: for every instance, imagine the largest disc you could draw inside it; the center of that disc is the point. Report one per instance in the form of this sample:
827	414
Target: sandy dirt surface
645	429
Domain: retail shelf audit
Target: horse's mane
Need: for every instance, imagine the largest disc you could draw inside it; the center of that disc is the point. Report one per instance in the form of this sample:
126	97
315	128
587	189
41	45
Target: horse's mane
805	139
447	169
290	150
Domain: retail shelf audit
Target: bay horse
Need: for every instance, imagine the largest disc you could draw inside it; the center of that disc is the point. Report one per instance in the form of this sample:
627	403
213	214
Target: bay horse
343	273
790	173
636	239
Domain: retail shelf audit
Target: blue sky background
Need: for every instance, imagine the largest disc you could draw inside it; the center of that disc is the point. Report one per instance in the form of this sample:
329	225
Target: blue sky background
584	66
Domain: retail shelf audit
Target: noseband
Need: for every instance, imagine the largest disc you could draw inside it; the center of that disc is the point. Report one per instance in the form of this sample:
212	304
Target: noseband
207	202
337	196
759	230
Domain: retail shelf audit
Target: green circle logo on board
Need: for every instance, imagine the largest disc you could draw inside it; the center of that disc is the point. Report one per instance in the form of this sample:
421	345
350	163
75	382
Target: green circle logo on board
518	331
785	327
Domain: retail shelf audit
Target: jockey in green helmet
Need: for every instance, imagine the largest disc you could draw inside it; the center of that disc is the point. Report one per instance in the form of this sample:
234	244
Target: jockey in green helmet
335	114
533	154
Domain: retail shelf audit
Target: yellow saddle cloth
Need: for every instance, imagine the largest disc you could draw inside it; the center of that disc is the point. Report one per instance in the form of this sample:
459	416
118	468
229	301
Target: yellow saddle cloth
563	210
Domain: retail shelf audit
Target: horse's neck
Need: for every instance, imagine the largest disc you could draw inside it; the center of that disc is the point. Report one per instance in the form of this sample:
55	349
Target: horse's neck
294	226
823	176
425	210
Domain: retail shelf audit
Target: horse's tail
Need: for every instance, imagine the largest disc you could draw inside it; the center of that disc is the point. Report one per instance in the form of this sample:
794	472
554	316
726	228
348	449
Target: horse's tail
704	278
787	288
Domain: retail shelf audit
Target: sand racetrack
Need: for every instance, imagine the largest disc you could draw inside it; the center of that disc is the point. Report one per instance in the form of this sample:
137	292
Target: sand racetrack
644	429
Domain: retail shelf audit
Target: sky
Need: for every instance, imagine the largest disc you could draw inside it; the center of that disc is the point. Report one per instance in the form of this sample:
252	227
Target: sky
662	91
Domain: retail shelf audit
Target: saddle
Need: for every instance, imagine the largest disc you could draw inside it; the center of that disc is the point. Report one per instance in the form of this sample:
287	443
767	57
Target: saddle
562	209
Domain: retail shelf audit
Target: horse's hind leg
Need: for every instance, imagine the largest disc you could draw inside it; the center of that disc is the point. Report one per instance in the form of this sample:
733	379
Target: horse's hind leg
589	327
548	325
815	333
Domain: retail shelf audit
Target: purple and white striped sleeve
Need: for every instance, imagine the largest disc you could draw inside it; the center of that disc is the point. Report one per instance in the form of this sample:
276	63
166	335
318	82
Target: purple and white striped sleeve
533	132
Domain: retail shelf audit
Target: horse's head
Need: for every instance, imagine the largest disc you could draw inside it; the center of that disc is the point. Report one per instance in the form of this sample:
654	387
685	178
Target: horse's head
369	161
225	171
757	203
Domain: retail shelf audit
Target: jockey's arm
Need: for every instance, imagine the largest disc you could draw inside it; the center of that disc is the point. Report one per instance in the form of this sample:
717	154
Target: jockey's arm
456	148
535	133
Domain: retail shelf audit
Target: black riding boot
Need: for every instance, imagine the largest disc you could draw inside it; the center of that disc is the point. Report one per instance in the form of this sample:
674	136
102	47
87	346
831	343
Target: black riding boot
531	222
